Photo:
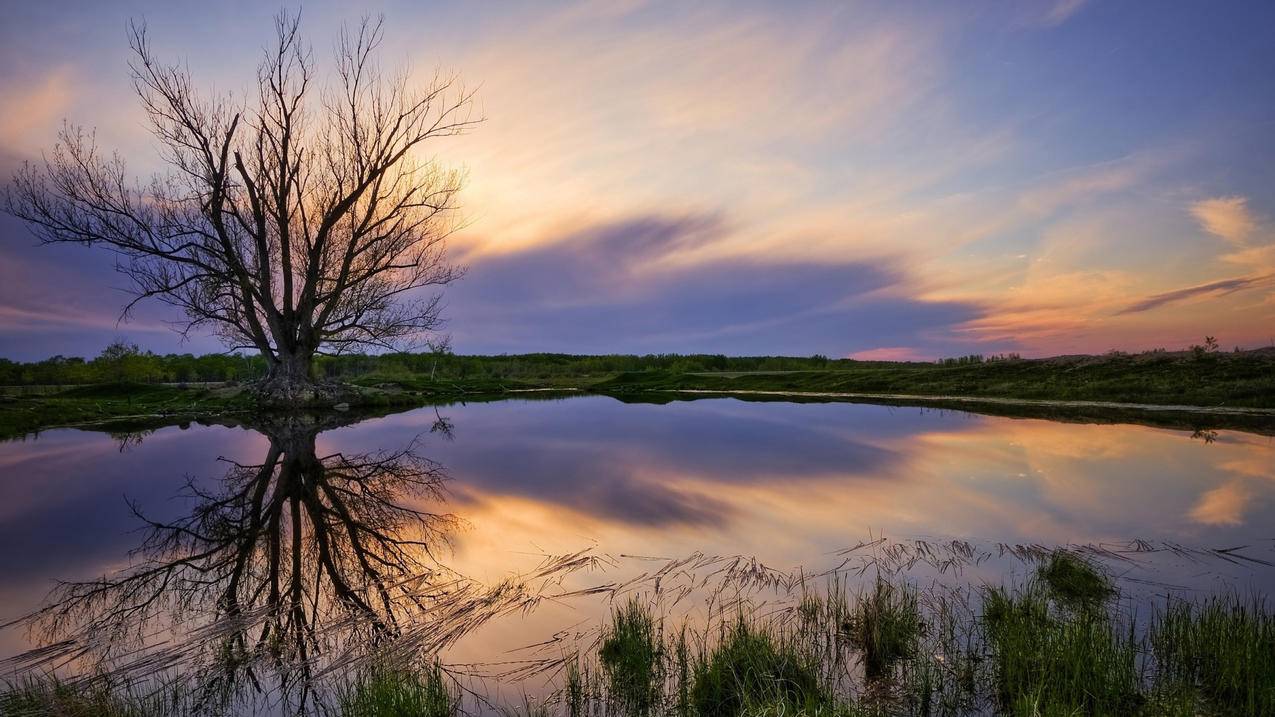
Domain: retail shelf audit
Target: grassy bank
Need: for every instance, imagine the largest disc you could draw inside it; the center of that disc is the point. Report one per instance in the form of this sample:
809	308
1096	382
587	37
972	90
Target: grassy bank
1062	643
1208	380
140	405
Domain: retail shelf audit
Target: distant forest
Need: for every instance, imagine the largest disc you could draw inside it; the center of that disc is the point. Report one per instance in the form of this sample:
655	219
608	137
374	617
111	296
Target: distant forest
122	362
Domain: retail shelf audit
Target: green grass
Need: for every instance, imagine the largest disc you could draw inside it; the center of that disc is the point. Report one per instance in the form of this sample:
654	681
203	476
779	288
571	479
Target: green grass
47	695
752	670
1073	581
387	691
631	656
1220	652
1017	651
1245	379
885	626
142	403
1051	664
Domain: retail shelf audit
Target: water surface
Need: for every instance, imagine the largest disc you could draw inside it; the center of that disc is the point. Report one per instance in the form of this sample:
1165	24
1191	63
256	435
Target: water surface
485	491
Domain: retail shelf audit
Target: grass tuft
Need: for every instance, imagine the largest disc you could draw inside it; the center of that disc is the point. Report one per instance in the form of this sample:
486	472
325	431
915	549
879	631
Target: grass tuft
631	657
386	691
1222	651
1074	581
751	670
48	695
1049	664
885	626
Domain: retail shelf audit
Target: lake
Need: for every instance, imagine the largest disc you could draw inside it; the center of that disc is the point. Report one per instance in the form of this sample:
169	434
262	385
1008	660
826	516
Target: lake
544	511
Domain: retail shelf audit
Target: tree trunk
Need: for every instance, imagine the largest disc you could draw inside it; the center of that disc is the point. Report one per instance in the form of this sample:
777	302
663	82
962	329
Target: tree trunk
290	381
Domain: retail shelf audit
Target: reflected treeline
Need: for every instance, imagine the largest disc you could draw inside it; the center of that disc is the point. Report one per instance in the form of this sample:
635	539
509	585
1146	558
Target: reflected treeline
280	564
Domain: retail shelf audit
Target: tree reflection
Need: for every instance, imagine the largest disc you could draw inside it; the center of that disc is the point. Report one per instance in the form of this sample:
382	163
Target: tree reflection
277	563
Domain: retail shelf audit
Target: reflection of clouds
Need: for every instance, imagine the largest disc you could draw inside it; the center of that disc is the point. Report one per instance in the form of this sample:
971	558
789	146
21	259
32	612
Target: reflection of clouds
1223	505
787	481
783	481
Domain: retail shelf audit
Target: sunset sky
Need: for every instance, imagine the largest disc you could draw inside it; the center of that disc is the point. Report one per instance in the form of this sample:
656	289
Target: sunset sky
884	180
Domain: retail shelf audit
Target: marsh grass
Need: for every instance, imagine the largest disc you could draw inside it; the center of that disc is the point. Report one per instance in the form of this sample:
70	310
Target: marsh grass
394	691
756	671
1074	581
1047	662
632	657
1218	656
47	694
885	626
888	648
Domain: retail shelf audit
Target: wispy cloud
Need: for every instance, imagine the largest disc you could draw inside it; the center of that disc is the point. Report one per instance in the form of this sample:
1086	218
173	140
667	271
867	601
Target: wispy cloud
1213	288
1061	11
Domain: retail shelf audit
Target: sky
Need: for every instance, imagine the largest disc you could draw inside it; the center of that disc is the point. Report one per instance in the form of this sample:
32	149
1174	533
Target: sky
873	180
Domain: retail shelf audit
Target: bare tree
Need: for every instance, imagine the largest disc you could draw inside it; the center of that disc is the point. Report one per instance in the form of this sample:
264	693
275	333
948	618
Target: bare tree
284	224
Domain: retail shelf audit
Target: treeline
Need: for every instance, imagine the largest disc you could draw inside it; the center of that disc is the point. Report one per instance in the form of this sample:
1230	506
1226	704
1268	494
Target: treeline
123	362
546	365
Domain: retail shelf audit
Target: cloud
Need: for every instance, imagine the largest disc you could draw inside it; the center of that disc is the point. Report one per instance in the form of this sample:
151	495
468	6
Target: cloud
891	353
1225	217
622	287
42	101
1061	11
1213	288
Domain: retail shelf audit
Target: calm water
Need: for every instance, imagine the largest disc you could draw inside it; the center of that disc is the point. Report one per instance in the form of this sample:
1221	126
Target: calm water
470	495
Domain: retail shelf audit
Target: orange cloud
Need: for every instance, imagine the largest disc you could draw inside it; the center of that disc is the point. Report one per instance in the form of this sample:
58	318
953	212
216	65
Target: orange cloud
892	353
1225	217
1223	505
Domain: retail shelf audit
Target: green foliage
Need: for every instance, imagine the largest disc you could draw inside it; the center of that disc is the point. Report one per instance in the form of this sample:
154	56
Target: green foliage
1222	650
1232	379
632	657
389	691
48	695
885	626
577	690
1050	664
1073	581
752	669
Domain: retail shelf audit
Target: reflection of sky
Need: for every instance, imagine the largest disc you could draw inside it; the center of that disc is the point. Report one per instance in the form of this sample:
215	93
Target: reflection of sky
788	483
